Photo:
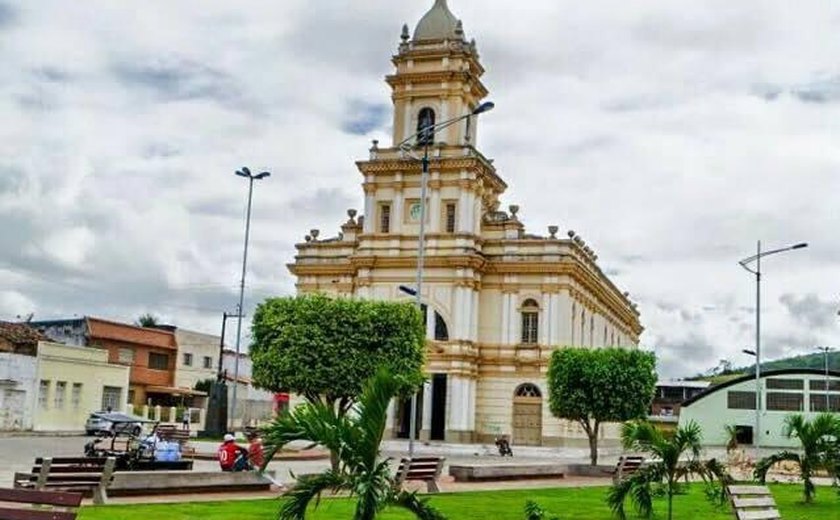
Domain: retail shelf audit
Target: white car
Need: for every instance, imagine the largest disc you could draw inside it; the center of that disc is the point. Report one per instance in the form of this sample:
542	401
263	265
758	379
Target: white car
97	424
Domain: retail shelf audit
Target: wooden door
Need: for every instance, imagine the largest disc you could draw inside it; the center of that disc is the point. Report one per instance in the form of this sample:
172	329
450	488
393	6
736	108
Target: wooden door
527	421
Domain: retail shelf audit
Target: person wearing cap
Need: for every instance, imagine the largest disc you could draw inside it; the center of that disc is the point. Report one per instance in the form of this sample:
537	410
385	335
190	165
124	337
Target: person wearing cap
232	457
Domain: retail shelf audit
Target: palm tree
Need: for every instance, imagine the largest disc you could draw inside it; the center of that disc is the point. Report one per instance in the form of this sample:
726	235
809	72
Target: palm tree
818	440
147	320
355	439
675	457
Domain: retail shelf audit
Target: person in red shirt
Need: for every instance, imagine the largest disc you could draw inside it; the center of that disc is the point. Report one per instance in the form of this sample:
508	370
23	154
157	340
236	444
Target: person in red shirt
232	457
256	453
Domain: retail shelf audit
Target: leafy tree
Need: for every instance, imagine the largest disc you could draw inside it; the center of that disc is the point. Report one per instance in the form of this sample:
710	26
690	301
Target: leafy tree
818	440
668	467
325	349
595	386
356	438
204	385
147	320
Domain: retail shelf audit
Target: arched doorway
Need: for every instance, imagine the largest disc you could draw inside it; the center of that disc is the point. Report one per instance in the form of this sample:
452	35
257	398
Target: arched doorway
527	415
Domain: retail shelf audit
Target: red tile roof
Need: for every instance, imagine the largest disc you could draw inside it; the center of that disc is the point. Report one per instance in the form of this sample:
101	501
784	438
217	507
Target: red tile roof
103	329
21	335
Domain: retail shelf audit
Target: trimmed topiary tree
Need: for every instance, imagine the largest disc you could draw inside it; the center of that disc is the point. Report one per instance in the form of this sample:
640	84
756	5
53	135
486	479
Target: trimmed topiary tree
595	386
326	348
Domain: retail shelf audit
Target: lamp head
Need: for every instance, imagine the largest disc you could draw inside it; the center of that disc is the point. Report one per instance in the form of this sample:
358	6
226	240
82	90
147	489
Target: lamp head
748	352
262	175
484	107
802	245
408	290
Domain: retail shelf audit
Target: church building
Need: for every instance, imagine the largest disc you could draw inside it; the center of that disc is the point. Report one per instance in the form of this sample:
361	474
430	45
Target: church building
498	299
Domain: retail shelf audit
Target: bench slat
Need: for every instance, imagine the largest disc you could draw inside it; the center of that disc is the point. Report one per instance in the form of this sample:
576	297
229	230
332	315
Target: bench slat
748	490
40	497
769	514
34	514
73	460
764	501
69	469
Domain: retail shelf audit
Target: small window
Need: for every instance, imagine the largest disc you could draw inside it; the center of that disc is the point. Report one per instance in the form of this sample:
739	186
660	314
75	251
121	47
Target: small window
76	396
785	384
740	400
425	121
208	362
530	322
111	398
818	403
450	217
43	394
819	384
785	402
58	398
528	390
187	359
126	356
158	361
385	218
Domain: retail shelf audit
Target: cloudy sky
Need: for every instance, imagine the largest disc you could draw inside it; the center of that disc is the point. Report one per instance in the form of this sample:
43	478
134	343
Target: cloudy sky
670	135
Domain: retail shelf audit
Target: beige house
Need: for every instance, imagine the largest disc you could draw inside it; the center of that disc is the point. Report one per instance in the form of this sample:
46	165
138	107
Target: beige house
499	298
72	382
198	357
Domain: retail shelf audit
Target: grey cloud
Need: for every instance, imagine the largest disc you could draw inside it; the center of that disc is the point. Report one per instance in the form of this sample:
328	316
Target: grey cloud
685	356
809	310
823	90
362	117
7	15
180	79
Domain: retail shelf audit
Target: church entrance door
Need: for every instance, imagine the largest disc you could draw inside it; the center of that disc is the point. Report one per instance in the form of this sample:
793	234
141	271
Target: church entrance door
527	416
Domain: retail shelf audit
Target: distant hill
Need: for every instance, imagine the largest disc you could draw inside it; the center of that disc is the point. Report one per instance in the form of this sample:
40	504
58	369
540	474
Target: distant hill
815	361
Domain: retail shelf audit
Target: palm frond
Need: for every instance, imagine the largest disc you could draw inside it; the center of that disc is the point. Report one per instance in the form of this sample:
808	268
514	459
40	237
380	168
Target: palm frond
309	488
419	506
372	415
762	467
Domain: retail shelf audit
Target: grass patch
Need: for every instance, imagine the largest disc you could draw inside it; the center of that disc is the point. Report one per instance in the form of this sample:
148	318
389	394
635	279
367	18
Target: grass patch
567	503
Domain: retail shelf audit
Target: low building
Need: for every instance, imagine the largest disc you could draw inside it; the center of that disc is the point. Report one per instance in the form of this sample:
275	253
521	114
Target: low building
671	393
74	381
783	392
253	405
198	357
150	354
18	367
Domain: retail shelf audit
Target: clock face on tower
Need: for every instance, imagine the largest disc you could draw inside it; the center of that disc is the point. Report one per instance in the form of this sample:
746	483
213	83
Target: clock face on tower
414	212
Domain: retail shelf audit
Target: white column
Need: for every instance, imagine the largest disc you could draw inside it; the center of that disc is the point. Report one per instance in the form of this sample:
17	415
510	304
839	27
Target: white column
474	316
556	324
397	213
463	212
427	406
472	398
545	319
434	210
505	320
460	403
370	210
409	127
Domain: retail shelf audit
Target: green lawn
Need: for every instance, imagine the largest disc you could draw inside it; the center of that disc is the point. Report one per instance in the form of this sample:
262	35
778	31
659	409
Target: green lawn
568	503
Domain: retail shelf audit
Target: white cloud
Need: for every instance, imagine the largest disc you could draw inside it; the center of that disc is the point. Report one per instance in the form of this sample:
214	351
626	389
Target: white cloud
672	135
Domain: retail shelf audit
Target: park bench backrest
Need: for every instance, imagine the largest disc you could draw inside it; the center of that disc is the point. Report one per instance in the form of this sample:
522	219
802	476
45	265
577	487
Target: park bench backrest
86	475
13	504
426	469
753	503
627	465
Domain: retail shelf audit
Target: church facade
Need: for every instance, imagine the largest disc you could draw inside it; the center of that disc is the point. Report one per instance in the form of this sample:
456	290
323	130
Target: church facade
497	298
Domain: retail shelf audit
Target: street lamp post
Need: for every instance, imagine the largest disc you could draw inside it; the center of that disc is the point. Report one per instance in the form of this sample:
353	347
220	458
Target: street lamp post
244	172
757	272
405	147
825	351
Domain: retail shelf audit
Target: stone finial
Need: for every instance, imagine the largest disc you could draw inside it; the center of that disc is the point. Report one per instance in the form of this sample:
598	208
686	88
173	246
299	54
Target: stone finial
594	258
340	235
405	34
351	213
578	240
514	209
375	144
308	238
459	29
587	250
552	230
626	294
361	222
314	233
571	233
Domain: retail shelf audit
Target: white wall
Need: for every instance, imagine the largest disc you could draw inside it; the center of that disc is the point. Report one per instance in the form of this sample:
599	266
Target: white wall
18	390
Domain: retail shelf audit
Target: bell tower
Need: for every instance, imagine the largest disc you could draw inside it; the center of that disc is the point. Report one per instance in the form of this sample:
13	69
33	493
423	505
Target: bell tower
437	78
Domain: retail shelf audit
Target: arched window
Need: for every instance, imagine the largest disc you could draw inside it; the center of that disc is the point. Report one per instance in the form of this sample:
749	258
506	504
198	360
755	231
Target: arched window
592	331
441	330
426	120
530	322
528	390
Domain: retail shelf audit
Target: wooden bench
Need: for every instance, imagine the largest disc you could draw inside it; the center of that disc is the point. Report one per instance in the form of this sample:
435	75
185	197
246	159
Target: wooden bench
182	437
64	505
425	469
753	503
89	476
626	466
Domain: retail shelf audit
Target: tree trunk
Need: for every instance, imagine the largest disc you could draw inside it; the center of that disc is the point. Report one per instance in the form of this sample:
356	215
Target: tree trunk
593	447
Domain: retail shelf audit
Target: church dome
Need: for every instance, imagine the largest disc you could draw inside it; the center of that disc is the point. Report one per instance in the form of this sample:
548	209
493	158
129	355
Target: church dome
438	24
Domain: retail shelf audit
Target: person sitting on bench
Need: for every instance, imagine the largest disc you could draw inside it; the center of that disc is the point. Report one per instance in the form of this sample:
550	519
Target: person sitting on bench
232	457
